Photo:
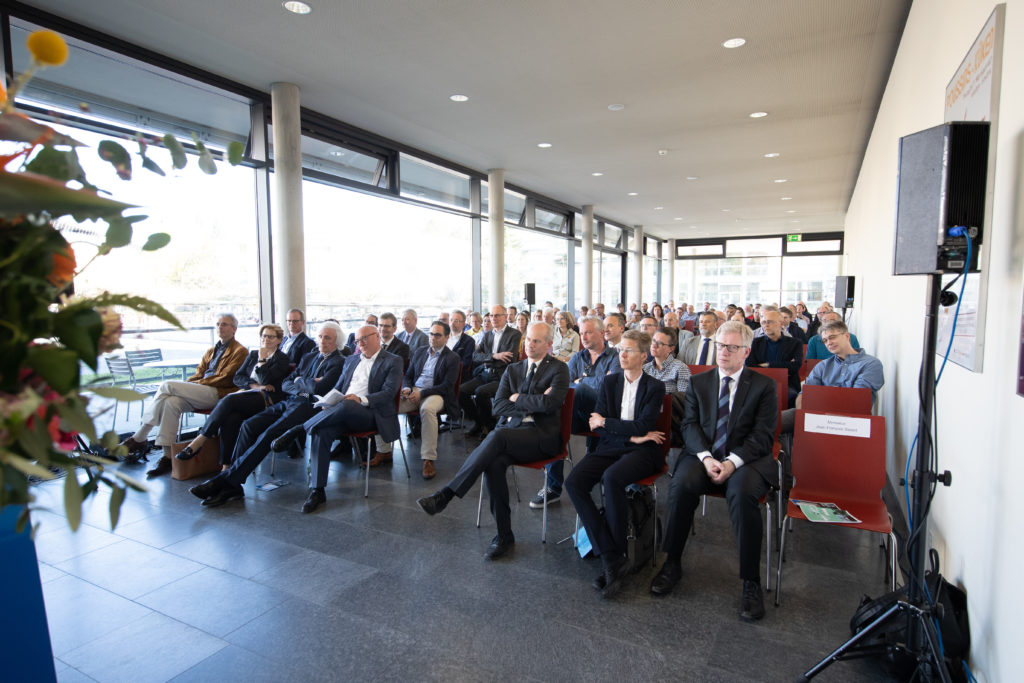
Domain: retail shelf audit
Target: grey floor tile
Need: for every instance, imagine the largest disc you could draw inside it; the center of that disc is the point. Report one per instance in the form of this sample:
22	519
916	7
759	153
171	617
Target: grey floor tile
154	648
316	577
79	612
49	572
164	529
129	568
213	601
72	675
234	663
238	552
57	543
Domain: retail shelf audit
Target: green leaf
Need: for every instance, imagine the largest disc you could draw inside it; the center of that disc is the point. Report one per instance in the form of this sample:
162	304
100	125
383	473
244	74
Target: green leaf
206	164
75	418
110	440
116	499
27	467
79	329
116	393
178	158
118	157
136	303
158	240
19	128
235	151
72	500
59	367
119	234
132	483
22	193
151	165
56	164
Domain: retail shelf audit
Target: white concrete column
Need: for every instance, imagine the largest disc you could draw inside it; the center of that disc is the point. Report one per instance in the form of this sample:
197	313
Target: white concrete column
585	288
289	256
496	218
669	263
635	289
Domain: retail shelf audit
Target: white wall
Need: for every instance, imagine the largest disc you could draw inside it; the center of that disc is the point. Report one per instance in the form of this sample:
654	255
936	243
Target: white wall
973	521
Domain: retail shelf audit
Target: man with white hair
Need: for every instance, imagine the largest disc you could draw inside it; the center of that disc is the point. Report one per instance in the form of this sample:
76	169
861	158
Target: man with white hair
213	379
410	334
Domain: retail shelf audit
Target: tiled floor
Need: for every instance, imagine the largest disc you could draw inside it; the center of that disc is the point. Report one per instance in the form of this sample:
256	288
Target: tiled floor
374	588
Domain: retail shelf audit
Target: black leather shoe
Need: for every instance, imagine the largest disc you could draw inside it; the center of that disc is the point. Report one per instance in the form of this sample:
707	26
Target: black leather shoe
209	487
163	466
666	579
752	602
135	447
614	572
186	453
281	443
225	495
316	499
475	430
599	582
499	546
434	503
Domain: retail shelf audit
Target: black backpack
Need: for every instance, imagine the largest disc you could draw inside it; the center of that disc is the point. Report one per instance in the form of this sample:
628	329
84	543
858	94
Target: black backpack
643	528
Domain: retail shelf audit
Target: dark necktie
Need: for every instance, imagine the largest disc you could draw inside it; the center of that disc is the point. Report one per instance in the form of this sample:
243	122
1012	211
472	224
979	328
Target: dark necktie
718	449
529	379
319	364
703	360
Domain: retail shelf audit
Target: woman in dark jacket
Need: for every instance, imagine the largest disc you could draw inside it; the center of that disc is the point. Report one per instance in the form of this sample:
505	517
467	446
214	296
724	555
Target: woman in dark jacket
259	381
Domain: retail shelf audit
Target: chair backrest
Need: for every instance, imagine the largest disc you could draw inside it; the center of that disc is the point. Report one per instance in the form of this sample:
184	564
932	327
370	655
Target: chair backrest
697	369
144	356
781	377
688	325
566	417
834	465
665	425
807	366
120	369
848	400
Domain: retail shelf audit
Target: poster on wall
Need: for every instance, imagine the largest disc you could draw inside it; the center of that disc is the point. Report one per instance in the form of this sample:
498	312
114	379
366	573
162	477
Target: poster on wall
973	95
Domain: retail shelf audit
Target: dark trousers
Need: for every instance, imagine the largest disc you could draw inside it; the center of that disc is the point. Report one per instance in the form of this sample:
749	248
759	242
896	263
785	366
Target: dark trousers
330	424
227	417
742	492
257	433
495	454
584	401
479	409
615	470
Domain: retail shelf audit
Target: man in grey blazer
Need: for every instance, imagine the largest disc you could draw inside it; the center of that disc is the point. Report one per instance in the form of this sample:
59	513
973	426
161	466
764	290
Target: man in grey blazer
529	405
410	334
700	349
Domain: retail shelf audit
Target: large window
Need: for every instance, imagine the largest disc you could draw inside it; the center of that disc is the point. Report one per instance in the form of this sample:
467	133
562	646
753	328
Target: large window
611	279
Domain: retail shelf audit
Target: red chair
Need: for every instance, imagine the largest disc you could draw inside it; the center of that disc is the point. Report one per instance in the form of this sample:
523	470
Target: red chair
807	366
697	369
848	400
689	325
368	435
566	426
846	470
665	427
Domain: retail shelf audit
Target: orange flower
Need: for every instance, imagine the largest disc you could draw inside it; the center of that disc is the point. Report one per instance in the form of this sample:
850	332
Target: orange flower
63	268
47	47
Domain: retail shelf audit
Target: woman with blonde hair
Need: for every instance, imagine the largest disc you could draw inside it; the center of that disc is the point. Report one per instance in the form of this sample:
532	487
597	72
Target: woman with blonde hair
567	340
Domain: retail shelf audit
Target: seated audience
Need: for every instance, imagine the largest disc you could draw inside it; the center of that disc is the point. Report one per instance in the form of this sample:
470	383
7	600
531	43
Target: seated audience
614	326
816	349
296	344
495	350
773	350
350	345
664	365
476	324
790	326
461	342
389	341
413	337
700	349
567	340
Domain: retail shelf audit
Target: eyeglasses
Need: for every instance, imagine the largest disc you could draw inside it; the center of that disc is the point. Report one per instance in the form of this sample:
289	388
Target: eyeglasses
363	340
436	334
655	342
268	336
628	351
831	337
732	348
294	320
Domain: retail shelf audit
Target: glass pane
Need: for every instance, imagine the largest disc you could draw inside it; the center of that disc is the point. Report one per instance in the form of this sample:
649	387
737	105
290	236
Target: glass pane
429	182
768	246
549	220
736	281
683	250
814	245
515	204
612	236
685	284
611	280
811	279
355	268
341	162
537	258
650	281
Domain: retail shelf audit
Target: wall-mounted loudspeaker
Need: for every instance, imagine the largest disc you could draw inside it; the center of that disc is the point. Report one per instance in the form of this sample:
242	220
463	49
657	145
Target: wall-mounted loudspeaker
942	175
530	293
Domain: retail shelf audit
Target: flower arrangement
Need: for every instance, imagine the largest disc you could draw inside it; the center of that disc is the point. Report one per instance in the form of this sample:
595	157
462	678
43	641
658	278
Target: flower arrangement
47	333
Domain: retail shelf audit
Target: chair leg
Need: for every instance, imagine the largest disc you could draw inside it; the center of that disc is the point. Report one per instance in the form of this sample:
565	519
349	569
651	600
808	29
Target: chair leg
768	546
405	460
480	502
778	576
654	539
544	522
892	560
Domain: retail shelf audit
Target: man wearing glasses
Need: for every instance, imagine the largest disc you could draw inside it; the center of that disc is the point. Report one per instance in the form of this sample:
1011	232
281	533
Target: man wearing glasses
296	344
496	349
362	400
388	341
350	344
728	430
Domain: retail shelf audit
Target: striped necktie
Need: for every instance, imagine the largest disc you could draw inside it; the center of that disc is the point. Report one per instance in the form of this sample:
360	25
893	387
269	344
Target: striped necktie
718	450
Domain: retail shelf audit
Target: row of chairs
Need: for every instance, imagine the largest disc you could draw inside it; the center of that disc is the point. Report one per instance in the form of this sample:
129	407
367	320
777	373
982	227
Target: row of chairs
122	372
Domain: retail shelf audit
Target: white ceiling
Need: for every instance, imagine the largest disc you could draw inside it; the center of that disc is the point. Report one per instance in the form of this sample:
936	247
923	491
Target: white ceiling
546	71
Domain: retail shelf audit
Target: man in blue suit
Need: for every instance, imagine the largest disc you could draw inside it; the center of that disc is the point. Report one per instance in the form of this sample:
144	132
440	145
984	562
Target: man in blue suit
317	373
362	400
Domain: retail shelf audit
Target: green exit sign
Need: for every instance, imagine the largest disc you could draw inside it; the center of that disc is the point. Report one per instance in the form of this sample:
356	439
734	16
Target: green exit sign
793	238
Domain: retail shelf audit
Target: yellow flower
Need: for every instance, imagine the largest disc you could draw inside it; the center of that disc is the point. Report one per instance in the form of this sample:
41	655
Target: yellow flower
47	47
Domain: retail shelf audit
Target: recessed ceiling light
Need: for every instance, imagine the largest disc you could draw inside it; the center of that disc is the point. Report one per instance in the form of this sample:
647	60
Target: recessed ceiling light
771	155
726	210
458	98
659	208
795	220
616	107
781	180
632	194
785	199
691	177
790	210
543	145
758	114
297	7
678	218
662	152
734	43
597	174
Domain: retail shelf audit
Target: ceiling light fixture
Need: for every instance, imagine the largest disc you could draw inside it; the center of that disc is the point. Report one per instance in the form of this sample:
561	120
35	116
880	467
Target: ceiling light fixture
659	208
734	43
691	177
458	98
758	114
616	107
785	199
296	7
781	180
632	194
726	210
790	210
771	155
597	174
662	152
678	218
544	145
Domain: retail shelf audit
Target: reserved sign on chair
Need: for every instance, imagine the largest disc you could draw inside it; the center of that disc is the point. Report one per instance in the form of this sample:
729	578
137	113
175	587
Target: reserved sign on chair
838	424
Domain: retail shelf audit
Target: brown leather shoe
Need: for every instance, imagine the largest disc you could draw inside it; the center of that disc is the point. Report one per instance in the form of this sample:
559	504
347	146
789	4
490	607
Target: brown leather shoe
380	459
428	469
163	466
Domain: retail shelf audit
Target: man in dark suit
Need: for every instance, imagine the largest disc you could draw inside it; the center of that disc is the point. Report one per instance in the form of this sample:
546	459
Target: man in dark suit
460	342
389	342
317	373
775	350
529	404
296	344
428	389
371	319
626	415
728	432
496	350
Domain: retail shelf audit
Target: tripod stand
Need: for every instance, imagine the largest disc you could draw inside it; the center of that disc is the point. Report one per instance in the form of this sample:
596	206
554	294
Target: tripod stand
920	639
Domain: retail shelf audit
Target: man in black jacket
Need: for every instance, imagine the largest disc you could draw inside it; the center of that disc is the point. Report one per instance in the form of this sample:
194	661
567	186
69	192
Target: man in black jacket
776	350
496	350
296	344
